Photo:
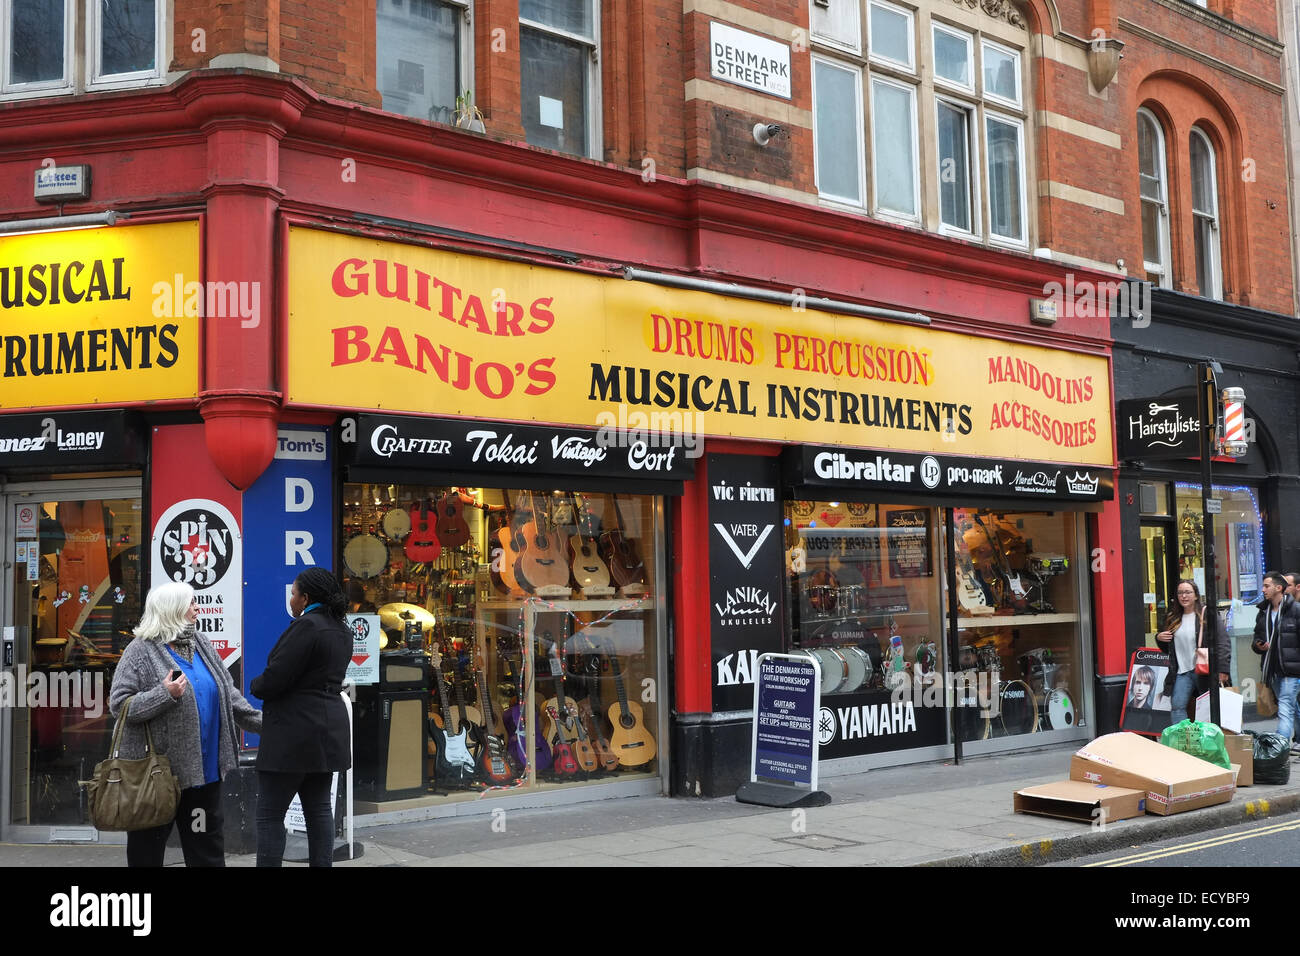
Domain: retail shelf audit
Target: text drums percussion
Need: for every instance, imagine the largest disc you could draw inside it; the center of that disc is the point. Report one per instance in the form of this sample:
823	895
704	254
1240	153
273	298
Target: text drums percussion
1060	710
365	556
1019	708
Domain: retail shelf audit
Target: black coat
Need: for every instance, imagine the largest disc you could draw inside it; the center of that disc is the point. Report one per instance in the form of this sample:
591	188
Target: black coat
1214	630
304	721
1283	656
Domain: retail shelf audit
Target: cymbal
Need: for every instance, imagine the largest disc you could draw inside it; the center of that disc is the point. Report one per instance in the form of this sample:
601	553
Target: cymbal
396	615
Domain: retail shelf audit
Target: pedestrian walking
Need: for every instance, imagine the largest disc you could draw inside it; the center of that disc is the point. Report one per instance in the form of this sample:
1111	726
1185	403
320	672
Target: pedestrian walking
1277	640
178	687
1190	626
305	735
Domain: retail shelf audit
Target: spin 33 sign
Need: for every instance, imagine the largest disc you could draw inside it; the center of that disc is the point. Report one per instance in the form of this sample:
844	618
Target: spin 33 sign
746	572
197	542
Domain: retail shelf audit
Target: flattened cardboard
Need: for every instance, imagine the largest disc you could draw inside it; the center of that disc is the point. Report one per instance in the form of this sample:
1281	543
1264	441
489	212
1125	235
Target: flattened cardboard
1241	751
1080	801
1174	781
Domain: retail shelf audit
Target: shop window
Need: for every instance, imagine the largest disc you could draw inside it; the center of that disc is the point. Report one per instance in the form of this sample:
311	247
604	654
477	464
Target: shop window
126	43
423	54
558	83
525	623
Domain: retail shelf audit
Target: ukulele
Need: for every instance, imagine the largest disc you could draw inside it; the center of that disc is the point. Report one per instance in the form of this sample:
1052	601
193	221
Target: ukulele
543	562
494	760
625	566
422	543
452	529
589	571
454	764
568	756
632	742
606	759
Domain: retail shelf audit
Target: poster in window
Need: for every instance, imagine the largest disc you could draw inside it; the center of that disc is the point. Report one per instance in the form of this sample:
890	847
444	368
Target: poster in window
909	542
1146	708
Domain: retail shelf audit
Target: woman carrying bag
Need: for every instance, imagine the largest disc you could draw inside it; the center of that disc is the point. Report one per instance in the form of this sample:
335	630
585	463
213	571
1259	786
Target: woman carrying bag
180	691
1188	630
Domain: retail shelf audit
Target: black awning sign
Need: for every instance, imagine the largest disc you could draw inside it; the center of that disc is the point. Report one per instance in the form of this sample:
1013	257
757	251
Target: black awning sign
1152	428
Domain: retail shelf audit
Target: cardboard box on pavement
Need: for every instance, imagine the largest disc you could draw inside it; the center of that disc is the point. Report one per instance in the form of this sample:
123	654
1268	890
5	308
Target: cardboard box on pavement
1077	800
1174	781
1241	751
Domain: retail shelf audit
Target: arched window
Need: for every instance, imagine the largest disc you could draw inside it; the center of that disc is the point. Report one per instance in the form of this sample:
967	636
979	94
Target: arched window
1205	216
1155	199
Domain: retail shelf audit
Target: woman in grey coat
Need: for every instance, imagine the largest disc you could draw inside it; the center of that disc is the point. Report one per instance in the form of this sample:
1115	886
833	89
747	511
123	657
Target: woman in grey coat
176	683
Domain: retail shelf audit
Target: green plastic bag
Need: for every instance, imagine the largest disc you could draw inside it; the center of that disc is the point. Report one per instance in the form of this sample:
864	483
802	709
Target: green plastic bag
1198	739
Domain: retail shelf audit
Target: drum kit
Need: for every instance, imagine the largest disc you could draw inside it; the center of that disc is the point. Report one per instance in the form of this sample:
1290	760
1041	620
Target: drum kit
844	669
1022	706
400	620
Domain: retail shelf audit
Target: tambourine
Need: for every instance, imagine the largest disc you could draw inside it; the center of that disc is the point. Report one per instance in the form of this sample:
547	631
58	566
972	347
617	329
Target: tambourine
365	556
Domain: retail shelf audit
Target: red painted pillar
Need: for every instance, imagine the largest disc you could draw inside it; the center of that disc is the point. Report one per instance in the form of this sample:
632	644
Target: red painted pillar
692	641
1106	564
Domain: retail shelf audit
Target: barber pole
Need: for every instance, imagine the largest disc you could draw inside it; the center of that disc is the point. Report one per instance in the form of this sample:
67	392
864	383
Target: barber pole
1234	422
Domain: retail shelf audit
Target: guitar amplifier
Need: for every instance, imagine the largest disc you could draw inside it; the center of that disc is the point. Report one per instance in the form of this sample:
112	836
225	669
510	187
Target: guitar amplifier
403	670
391	740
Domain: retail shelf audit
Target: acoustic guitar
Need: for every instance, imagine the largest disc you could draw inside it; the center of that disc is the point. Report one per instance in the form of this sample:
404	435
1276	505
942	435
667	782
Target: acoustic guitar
544	560
570	751
589	571
452	529
513	544
632	742
625	566
422	543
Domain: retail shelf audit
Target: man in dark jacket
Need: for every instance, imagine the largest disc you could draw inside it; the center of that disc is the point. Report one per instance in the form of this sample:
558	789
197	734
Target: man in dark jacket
1277	638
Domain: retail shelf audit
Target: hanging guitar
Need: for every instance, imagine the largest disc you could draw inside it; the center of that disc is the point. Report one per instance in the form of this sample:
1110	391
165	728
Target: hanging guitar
632	742
454	764
625	565
589	571
570	752
494	760
590	713
422	542
544	562
518	727
513	544
451	529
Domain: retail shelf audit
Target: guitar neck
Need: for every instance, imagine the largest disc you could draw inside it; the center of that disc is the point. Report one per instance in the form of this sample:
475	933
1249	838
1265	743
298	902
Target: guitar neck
618	683
442	690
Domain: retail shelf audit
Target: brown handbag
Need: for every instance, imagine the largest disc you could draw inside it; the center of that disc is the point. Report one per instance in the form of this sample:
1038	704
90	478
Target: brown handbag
127	795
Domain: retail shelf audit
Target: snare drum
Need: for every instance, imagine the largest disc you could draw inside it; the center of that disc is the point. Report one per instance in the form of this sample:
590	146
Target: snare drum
1059	710
859	668
1019	708
835	669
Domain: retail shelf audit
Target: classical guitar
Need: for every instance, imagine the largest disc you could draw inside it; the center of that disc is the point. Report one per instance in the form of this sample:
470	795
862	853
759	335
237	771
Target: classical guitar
632	742
513	544
625	566
606	759
422	543
451	528
494	760
589	571
454	764
544	562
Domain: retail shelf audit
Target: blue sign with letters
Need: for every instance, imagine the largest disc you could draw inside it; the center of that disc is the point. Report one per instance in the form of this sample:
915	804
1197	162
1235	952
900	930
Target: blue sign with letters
787	696
288	526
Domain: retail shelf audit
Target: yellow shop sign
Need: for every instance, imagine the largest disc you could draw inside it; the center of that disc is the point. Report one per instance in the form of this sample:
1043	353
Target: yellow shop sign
80	325
402	328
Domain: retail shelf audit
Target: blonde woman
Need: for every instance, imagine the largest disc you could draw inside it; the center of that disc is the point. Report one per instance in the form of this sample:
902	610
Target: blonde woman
177	684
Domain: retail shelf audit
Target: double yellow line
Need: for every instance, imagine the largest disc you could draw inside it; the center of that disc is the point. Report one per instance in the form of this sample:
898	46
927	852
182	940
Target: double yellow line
1206	844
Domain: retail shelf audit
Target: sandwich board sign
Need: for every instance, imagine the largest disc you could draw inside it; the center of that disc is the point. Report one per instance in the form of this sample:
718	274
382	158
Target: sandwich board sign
783	763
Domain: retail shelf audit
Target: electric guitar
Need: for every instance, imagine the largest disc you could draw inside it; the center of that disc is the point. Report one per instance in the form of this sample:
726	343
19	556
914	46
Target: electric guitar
452	529
589	571
517	730
453	764
494	760
632	742
625	566
422	543
543	560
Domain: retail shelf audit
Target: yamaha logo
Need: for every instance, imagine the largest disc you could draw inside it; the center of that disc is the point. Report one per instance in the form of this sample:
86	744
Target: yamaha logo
825	726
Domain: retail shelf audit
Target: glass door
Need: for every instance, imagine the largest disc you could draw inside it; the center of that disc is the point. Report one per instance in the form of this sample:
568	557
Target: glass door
1155	579
73	593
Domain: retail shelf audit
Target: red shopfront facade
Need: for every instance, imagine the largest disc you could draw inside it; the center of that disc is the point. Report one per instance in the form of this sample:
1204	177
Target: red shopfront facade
298	202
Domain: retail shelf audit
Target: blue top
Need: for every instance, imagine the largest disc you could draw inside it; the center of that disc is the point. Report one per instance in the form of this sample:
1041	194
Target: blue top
311	607
208	700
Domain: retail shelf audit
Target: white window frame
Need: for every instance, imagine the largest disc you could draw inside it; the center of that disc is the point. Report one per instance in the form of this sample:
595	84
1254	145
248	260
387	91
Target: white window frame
935	28
161	53
465	79
995	238
1015	55
595	141
973	175
1163	267
1215	253
14	91
854	48
883	212
910	65
861	202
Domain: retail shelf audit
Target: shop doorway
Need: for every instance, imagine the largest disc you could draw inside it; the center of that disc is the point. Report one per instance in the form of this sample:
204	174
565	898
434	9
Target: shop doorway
1158	576
67	605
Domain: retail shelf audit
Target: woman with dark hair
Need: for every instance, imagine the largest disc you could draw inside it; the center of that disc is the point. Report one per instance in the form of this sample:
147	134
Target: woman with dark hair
304	720
1189	626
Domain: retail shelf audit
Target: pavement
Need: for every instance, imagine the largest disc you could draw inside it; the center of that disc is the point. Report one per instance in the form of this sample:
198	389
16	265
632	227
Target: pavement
931	814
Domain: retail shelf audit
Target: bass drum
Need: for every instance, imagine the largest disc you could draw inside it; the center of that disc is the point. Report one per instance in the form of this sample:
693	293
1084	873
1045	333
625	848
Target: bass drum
1059	710
1019	708
859	662
835	669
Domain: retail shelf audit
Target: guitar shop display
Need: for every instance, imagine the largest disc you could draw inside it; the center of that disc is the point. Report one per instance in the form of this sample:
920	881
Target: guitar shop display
532	616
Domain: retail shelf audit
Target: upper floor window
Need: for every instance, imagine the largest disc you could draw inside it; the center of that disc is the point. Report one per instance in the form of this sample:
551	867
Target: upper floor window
125	44
1155	199
1205	216
918	80
423	50
558	83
